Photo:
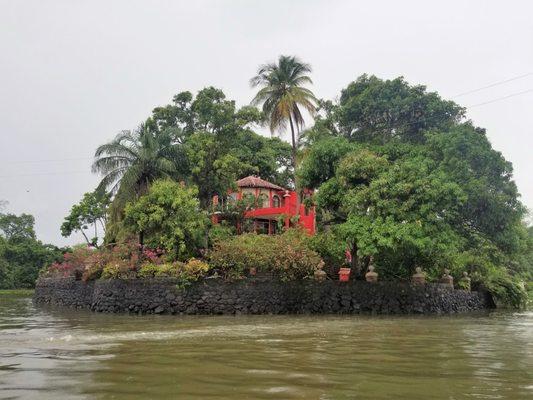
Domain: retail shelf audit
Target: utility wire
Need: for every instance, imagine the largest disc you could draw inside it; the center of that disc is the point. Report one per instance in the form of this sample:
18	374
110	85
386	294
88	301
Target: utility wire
376	131
493	84
47	161
44	174
500	98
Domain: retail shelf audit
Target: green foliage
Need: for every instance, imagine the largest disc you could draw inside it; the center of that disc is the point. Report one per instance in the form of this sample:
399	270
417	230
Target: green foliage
21	254
170	218
134	159
321	160
399	177
17	227
217	143
220	232
506	290
287	255
114	271
372	110
91	210
151	270
331	247
186	273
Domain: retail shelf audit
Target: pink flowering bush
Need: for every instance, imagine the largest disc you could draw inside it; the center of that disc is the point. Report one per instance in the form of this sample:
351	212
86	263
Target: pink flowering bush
118	261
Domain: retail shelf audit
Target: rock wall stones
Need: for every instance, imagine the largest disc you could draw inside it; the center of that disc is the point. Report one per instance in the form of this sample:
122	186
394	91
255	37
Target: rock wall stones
214	296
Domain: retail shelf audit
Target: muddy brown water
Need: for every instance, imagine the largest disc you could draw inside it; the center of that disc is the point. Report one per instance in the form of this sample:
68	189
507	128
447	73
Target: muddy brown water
64	354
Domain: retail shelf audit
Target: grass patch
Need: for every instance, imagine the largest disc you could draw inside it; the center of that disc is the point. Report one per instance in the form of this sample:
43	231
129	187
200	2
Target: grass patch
16	292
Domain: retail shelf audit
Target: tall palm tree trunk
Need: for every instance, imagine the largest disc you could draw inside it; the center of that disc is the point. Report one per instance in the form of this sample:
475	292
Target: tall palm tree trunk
293	154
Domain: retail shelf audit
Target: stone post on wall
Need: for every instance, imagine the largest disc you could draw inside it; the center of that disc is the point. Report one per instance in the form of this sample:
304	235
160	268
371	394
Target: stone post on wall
446	280
419	277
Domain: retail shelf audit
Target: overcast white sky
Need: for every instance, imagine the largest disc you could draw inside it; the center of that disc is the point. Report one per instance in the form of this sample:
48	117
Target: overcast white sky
74	73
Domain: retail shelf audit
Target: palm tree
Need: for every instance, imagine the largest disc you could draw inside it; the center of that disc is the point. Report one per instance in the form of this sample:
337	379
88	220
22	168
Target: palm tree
134	159
131	162
283	96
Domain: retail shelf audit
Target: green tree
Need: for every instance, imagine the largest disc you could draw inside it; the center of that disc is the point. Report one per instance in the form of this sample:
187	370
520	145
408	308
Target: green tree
134	159
169	217
21	254
91	210
284	97
375	110
15	227
218	143
400	177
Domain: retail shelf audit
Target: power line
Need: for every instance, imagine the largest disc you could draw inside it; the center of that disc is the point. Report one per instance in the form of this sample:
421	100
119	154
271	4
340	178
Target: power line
45	174
493	84
379	130
501	98
47	161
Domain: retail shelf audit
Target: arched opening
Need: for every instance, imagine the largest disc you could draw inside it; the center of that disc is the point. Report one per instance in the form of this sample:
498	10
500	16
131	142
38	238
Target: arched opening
276	201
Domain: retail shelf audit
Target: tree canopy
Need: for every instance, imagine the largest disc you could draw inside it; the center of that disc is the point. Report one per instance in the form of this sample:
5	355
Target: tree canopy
169	217
90	211
21	254
401	176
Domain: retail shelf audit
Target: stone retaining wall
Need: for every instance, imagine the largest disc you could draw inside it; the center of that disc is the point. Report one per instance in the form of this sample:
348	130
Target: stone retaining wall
214	296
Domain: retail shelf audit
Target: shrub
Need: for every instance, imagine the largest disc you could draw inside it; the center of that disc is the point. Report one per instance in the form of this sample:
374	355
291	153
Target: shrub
118	270
92	273
506	290
119	261
220	232
150	270
186	273
330	247
287	255
195	268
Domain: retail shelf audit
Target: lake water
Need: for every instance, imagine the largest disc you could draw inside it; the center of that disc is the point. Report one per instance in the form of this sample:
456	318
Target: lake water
61	354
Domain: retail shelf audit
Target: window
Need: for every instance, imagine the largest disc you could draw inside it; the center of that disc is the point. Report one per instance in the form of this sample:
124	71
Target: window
276	201
262	201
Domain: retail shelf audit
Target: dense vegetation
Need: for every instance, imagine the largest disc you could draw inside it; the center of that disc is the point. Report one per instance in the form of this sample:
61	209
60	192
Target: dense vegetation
21	254
400	177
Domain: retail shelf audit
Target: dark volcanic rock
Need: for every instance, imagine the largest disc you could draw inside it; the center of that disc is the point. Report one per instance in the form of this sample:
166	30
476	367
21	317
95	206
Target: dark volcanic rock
162	296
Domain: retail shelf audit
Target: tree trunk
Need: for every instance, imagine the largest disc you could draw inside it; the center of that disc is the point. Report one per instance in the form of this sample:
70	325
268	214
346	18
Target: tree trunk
294	151
85	236
355	261
293	148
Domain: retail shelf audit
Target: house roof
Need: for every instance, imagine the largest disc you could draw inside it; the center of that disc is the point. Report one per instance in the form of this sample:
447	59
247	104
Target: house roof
256	182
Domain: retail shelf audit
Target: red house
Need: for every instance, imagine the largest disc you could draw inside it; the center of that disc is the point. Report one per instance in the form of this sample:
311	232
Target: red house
272	204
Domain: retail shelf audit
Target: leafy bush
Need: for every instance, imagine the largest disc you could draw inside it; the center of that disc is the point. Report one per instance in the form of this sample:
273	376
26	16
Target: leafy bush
506	290
169	216
73	264
186	273
92	273
118	270
118	261
150	270
287	256
330	247
195	268
220	232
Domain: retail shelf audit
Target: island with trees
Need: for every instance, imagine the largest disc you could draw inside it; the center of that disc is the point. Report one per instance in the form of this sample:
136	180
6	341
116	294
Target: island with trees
398	182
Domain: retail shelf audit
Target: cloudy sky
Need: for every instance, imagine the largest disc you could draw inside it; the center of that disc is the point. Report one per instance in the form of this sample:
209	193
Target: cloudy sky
74	73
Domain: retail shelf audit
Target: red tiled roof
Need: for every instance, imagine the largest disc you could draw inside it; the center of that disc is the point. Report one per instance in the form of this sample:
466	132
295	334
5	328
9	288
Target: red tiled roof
256	182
